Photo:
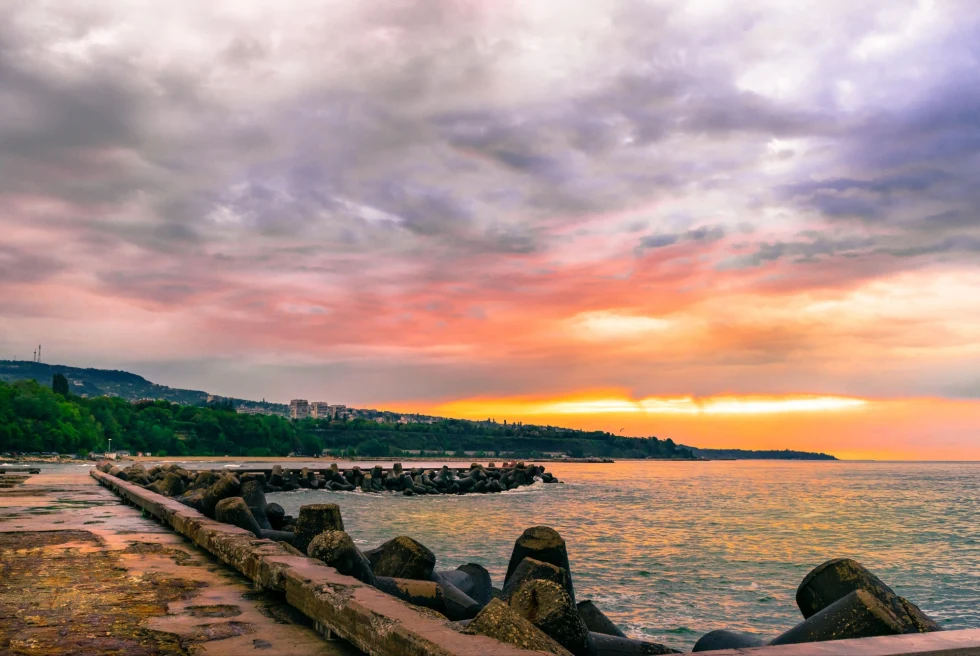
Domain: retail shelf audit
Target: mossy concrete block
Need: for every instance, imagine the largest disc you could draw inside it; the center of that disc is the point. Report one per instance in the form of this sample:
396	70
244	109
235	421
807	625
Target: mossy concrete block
857	615
337	549
501	622
532	569
837	578
541	543
402	557
234	511
547	605
313	520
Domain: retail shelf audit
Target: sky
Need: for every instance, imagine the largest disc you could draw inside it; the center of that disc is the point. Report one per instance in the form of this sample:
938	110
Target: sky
738	224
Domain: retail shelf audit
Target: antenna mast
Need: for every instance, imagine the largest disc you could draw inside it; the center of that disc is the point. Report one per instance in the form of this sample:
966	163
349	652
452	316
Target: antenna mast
38	352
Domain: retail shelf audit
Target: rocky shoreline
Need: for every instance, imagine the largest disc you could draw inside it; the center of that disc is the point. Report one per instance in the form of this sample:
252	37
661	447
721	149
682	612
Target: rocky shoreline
535	607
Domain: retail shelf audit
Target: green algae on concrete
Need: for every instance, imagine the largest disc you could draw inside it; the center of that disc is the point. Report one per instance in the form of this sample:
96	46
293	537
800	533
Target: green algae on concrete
69	576
60	598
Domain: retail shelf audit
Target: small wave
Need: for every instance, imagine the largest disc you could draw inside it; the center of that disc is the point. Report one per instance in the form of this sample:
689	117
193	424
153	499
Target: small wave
681	630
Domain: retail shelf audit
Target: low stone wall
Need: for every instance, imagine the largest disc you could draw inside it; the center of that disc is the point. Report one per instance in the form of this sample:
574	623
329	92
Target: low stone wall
371	620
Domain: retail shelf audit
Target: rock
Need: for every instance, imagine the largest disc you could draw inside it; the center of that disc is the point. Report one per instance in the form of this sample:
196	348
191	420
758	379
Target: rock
836	578
535	570
607	645
253	476
227	486
497	620
595	619
313	520
194	499
204	480
255	500
280	536
276	515
366	483
336	549
427	594
171	485
725	639
541	543
402	557
276	477
118	472
857	615
234	511
472	579
459	605
547	605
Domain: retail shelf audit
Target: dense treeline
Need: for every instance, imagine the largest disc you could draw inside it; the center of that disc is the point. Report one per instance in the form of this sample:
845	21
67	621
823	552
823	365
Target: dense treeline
742	454
34	418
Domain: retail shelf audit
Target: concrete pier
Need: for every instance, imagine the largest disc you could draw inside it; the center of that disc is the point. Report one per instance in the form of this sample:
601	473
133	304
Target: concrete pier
83	573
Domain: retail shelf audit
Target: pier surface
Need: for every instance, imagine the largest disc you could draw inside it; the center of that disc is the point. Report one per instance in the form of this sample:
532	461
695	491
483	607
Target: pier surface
82	573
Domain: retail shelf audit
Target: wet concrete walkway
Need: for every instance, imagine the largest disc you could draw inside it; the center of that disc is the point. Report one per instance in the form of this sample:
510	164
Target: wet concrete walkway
82	573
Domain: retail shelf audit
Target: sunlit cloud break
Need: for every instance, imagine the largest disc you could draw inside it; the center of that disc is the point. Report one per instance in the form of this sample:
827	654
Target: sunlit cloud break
687	405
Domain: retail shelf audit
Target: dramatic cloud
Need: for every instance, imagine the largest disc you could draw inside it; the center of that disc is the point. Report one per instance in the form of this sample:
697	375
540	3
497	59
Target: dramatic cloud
427	199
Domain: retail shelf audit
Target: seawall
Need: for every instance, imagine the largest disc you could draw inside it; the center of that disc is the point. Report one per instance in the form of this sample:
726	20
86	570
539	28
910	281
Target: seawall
371	620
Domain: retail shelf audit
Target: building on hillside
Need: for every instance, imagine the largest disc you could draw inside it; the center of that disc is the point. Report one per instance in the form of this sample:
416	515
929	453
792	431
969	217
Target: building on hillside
339	412
251	410
320	410
299	409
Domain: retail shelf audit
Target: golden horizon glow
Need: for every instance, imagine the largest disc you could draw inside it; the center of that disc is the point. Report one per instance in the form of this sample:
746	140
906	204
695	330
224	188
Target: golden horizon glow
680	405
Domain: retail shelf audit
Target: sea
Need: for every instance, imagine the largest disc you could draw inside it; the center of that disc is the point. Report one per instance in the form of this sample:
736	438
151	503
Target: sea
670	549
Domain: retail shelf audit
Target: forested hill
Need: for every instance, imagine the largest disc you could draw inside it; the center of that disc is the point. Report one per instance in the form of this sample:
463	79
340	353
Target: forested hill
98	382
742	454
110	382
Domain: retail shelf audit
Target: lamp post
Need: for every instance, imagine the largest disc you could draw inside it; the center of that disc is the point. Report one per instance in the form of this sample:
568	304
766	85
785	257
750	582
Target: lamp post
110	447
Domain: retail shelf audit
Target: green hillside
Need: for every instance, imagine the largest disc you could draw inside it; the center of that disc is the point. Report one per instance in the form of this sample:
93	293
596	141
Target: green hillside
98	382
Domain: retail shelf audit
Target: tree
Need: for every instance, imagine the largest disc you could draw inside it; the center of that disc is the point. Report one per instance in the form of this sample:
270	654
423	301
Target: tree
60	384
372	448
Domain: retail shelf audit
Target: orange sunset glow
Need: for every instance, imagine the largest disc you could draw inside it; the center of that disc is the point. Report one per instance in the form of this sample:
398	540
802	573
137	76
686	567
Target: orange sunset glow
907	429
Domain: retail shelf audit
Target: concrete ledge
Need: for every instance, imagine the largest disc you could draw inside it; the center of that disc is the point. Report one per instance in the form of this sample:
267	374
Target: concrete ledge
941	643
369	619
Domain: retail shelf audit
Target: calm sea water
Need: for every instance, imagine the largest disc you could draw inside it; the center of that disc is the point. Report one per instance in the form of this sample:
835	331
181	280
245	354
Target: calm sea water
671	550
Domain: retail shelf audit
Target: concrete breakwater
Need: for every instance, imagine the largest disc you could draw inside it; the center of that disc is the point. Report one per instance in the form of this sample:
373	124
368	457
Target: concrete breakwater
839	600
447	480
